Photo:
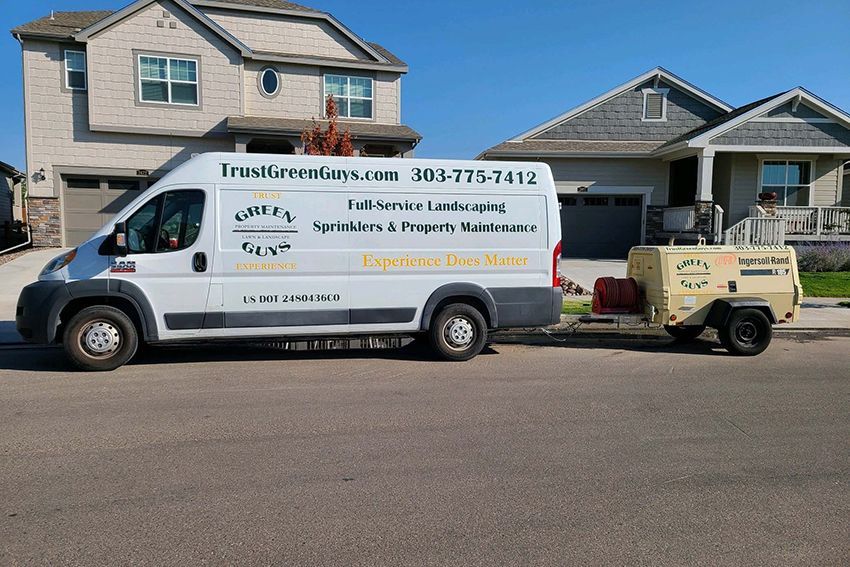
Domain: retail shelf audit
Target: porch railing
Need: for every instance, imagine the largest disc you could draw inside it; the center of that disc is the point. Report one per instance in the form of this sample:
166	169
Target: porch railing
756	231
679	219
815	221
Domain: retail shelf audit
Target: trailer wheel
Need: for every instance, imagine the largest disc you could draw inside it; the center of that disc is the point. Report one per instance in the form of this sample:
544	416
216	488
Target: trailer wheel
458	332
747	333
685	333
100	338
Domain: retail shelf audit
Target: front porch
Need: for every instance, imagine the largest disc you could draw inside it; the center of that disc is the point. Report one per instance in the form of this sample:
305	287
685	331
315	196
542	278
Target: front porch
754	198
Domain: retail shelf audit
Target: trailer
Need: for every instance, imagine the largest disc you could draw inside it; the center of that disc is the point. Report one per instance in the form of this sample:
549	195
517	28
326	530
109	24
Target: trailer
741	291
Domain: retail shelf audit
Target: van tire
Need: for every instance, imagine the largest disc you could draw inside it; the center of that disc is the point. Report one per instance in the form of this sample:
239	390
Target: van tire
747	333
100	338
458	332
684	334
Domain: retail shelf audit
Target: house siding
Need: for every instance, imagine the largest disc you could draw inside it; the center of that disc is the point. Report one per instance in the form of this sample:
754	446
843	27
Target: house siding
785	111
113	73
610	172
6	195
284	34
302	92
620	118
826	182
59	134
785	134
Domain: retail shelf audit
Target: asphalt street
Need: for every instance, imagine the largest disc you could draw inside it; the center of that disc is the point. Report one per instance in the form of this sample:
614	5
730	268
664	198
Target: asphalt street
585	452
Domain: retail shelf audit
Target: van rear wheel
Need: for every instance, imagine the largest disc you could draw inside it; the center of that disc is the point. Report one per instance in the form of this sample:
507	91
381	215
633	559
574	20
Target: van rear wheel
747	333
458	332
100	338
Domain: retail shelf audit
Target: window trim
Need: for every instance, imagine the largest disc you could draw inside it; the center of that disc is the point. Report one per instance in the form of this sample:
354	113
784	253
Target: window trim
169	58
260	86
782	202
348	86
84	70
663	93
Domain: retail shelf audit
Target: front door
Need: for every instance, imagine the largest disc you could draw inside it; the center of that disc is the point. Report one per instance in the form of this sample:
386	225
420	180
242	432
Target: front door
170	241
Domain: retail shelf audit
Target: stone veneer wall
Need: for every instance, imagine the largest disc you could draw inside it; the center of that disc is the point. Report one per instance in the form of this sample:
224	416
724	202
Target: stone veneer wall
654	225
45	221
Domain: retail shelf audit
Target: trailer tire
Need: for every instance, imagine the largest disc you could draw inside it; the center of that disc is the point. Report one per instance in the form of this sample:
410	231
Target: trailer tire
458	332
100	338
746	333
684	334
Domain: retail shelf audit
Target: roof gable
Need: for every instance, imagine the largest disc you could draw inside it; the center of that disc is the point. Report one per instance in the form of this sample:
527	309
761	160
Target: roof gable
657	74
771	109
101	25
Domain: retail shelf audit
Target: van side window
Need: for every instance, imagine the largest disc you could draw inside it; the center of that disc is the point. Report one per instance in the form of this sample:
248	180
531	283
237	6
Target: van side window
167	223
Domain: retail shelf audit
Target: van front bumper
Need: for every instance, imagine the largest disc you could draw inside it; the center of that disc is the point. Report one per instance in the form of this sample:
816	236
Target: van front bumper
37	312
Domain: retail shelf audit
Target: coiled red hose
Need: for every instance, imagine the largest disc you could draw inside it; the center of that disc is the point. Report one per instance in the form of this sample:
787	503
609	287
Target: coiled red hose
615	295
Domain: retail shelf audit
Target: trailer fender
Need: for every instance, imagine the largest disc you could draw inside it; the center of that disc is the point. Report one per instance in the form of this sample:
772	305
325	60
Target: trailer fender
722	309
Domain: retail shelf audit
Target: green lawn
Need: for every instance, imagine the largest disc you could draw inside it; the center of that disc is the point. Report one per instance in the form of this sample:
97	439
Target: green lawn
574	307
825	284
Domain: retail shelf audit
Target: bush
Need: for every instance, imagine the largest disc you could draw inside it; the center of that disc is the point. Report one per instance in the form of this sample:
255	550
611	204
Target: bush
824	258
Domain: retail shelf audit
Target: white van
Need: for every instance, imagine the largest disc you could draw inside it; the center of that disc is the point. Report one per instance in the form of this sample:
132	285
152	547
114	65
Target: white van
246	246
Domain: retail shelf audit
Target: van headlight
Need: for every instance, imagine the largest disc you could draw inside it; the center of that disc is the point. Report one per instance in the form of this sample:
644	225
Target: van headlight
59	262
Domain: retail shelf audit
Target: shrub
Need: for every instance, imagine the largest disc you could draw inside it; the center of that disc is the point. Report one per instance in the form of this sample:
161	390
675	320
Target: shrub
824	258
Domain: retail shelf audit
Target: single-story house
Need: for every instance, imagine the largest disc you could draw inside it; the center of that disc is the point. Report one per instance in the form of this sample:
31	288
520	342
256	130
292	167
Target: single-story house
658	158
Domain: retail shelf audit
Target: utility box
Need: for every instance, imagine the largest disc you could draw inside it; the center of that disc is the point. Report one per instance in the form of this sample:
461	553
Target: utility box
739	290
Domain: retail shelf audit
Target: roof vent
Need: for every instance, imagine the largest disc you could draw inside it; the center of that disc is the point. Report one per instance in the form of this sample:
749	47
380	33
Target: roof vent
52	16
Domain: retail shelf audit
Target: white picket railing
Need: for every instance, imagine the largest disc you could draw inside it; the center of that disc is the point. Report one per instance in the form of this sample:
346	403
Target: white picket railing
679	219
815	220
756	231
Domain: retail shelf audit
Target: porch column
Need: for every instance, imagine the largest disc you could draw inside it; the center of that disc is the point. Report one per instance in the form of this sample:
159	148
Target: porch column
705	171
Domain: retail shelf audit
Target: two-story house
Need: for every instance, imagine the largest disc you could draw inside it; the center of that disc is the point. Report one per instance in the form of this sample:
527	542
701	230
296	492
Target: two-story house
658	157
113	100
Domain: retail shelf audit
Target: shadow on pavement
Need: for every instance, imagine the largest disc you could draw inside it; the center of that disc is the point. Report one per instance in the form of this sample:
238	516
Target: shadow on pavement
52	359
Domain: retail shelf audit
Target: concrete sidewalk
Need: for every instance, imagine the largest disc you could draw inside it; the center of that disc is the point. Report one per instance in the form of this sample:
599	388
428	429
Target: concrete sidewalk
14	276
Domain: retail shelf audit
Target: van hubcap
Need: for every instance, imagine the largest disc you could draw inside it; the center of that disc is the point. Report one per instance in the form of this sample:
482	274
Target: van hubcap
100	338
459	333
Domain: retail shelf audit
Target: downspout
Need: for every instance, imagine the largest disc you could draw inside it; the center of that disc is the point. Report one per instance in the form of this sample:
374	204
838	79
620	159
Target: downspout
27	243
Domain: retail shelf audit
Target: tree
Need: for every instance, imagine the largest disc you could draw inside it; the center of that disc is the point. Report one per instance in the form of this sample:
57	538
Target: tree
329	142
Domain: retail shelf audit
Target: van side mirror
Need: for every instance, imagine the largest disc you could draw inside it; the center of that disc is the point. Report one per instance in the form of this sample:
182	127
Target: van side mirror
119	240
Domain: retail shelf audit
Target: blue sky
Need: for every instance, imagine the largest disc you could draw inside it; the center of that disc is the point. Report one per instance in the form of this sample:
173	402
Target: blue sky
482	71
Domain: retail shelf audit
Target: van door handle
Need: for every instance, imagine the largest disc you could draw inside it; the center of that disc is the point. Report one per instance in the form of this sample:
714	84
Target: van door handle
199	262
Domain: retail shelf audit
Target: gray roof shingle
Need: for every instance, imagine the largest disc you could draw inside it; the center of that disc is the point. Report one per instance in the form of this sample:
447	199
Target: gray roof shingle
363	130
61	25
589	147
279	4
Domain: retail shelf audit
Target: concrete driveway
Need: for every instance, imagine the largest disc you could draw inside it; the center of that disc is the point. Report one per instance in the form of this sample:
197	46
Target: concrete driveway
585	272
14	276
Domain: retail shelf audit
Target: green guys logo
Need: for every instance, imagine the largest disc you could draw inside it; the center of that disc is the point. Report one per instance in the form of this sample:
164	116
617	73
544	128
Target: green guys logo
693	272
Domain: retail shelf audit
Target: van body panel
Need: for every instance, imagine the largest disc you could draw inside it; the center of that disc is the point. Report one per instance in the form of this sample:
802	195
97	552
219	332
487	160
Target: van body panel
312	246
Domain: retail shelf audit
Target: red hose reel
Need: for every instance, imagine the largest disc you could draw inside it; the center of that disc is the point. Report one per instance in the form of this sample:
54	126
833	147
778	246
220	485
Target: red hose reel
616	295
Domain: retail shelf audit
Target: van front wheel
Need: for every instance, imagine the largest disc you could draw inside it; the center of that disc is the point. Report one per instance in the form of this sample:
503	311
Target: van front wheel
100	338
458	332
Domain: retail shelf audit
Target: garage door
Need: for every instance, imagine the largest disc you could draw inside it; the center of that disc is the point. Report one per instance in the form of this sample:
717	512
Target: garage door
89	202
600	226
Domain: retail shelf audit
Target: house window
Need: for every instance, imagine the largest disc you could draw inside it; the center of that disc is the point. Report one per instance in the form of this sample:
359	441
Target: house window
168	80
75	70
269	82
655	104
790	180
353	95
